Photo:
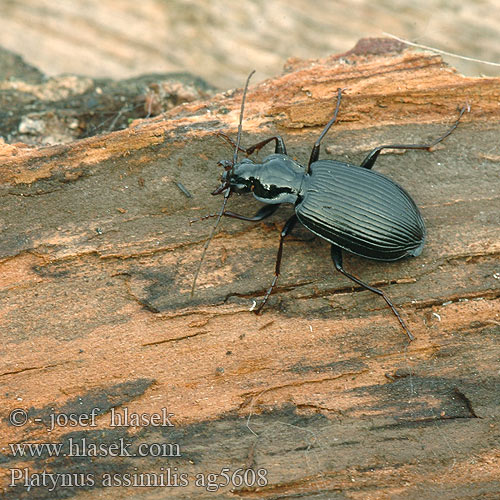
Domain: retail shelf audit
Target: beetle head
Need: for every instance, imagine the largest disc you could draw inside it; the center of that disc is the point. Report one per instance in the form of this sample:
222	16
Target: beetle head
237	178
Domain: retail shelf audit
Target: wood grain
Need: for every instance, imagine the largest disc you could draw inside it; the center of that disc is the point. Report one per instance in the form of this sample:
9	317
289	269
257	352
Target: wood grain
97	259
220	41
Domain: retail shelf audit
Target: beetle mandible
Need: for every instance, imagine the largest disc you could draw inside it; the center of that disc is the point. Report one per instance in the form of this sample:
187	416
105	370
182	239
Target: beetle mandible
352	207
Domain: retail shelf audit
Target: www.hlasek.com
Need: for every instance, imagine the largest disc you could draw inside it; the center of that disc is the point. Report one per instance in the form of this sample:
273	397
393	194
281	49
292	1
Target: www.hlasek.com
87	448
165	478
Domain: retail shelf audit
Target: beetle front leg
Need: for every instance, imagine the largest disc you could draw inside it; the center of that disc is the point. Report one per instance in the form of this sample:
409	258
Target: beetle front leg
290	223
279	148
229	140
336	253
262	213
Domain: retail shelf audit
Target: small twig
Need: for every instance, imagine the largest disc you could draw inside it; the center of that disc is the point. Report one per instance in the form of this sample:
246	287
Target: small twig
465	58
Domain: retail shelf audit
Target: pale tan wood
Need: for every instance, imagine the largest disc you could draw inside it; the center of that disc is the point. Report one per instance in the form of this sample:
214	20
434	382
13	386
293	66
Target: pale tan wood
322	390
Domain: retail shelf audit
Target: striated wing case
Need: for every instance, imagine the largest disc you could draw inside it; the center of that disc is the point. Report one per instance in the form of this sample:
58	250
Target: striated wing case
360	210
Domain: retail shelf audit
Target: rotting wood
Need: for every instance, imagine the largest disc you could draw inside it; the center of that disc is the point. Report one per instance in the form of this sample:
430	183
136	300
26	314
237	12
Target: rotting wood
97	258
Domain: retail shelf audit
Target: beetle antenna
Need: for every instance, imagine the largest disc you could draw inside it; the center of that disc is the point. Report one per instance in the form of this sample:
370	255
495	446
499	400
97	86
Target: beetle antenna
219	217
240	126
227	189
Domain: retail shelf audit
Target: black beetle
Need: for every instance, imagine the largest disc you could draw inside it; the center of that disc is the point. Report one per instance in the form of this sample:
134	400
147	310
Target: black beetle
352	207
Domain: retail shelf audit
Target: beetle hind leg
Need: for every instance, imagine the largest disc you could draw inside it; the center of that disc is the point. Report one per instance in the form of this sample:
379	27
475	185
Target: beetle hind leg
336	253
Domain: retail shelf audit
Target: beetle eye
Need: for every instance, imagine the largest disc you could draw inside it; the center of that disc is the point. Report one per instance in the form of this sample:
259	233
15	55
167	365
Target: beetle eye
226	164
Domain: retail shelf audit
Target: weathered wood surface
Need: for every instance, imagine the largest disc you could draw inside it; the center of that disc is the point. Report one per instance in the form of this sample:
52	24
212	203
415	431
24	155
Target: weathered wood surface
97	258
220	40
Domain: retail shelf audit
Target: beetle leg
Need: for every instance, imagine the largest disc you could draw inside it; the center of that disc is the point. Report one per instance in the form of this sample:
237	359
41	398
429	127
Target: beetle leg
229	140
315	151
265	211
337	261
289	225
370	160
280	144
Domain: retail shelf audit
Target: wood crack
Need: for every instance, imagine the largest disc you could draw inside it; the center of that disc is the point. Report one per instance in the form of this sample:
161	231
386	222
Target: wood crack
177	339
251	396
33	368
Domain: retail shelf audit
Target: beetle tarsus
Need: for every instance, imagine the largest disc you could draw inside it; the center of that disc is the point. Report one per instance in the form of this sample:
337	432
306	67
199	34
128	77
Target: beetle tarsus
228	139
336	253
204	217
279	148
372	156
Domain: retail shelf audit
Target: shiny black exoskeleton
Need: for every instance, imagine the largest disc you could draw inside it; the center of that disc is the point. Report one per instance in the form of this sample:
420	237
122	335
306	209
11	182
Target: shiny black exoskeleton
352	207
355	208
